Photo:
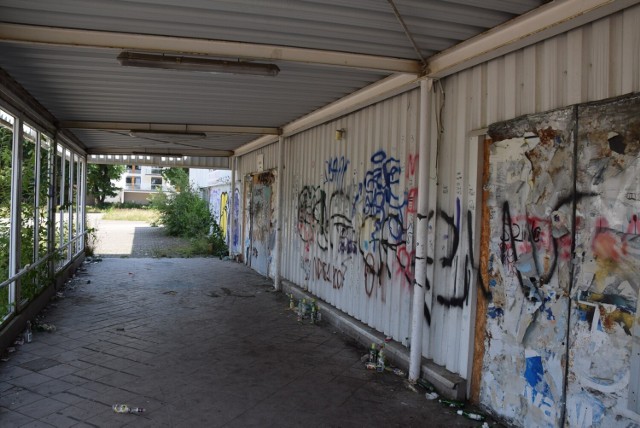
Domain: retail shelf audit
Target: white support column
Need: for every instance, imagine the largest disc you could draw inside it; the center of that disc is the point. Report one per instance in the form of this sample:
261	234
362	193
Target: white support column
232	207
421	283
36	203
279	187
15	216
51	205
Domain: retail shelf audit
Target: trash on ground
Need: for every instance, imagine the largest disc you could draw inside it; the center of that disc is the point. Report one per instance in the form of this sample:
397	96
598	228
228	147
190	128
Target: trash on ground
46	327
388	339
396	371
451	403
124	408
307	310
364	358
371	366
485	425
431	395
426	385
471	415
19	341
120	329
88	281
170	292
28	333
60	295
410	386
11	349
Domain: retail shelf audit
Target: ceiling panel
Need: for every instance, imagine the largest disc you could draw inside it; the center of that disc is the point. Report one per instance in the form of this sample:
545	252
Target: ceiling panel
88	84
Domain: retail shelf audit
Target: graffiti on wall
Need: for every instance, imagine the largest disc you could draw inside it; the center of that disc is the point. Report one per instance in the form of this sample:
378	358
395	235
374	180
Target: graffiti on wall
369	220
559	234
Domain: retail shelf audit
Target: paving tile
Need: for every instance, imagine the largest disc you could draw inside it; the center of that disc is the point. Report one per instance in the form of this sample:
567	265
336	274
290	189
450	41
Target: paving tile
59	421
30	380
17	396
59	370
41	408
37	424
40	364
52	387
9	418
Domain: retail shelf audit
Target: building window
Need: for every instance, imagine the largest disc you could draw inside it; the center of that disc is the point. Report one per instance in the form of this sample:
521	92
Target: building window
133	183
156	183
133	169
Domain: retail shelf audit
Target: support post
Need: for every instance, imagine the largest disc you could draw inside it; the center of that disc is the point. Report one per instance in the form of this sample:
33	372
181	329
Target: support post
231	221
15	221
421	283
278	243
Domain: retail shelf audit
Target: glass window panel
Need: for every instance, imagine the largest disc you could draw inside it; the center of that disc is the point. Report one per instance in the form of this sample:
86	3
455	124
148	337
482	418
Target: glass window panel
29	282
6	143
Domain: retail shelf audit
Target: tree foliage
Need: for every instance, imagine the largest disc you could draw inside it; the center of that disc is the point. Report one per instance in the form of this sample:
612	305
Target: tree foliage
99	180
183	214
177	177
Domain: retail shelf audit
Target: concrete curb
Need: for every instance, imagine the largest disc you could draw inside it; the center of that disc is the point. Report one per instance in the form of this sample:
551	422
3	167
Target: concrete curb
446	383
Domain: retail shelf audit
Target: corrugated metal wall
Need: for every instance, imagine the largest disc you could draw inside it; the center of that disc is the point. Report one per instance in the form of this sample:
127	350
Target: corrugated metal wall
349	215
350	212
595	62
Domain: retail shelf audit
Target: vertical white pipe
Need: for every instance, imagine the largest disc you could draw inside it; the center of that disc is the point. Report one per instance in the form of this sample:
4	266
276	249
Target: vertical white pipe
231	221
420	283
279	187
15	222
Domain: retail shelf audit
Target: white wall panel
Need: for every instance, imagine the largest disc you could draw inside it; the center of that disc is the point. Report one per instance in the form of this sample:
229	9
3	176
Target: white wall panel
348	221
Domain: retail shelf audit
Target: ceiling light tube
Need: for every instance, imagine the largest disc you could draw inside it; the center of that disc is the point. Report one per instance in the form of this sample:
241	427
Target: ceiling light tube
208	65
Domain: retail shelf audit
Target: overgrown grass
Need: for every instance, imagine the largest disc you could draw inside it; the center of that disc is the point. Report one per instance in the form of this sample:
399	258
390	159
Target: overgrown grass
132	214
196	247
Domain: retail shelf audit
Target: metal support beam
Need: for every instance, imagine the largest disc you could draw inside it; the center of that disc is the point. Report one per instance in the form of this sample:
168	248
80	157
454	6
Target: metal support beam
539	24
280	215
177	153
168	127
15	218
232	207
421	283
35	34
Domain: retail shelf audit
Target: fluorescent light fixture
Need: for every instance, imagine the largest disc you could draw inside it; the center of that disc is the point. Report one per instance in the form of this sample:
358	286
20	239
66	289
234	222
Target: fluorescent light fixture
208	65
164	155
170	135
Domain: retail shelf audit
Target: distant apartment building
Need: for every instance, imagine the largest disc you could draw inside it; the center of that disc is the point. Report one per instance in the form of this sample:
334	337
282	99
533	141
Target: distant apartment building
139	182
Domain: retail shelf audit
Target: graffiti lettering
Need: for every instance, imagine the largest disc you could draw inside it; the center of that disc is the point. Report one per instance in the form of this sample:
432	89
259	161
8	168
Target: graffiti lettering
328	273
335	170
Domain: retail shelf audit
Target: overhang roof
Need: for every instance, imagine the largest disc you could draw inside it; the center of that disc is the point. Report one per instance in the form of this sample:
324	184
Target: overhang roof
64	53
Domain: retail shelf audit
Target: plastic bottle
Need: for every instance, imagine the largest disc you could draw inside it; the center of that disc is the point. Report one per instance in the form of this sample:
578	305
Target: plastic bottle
373	353
291	302
123	408
28	334
451	403
472	416
314	312
381	361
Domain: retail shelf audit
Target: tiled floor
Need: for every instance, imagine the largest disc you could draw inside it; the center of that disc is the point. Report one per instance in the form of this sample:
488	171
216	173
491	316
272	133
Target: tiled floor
197	343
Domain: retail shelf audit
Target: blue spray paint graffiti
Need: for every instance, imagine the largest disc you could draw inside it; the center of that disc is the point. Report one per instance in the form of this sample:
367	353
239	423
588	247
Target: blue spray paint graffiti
335	170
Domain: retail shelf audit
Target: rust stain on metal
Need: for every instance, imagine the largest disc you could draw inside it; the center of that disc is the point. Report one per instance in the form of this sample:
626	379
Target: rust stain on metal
481	312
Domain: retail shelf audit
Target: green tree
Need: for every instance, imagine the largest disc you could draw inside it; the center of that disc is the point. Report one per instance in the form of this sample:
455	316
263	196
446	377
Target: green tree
99	180
177	177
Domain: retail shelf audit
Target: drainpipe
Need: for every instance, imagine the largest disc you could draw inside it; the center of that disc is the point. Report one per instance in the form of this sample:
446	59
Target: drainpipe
278	243
232	205
420	282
